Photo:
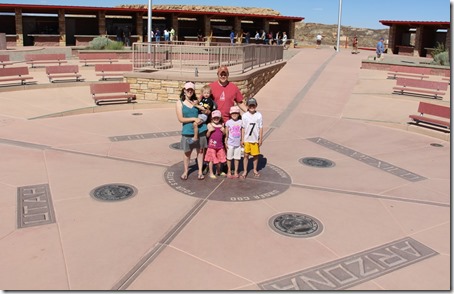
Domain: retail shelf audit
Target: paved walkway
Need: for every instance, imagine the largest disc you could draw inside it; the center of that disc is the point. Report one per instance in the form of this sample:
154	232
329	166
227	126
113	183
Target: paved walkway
377	217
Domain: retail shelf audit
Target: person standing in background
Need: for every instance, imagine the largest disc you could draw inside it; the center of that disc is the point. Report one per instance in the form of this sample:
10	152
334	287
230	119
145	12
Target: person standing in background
318	40
355	45
172	34
119	35
232	37
127	34
380	48
158	35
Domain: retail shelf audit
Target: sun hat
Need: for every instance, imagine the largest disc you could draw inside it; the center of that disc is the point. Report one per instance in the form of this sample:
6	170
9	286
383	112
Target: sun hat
251	101
216	113
189	85
223	68
234	109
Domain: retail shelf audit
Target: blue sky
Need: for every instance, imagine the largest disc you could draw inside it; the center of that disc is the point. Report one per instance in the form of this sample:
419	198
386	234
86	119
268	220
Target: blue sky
355	13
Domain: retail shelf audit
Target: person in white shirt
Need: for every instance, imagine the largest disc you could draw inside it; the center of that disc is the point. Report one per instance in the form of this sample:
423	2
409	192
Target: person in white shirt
319	40
284	38
251	136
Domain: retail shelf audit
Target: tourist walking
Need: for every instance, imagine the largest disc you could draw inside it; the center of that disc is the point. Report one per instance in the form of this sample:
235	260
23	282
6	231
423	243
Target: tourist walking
355	45
318	40
380	48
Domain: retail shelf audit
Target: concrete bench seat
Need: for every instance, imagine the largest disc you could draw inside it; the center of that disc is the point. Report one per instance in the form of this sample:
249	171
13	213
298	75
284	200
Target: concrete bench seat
432	114
408	71
87	58
15	74
104	93
34	59
420	88
111	71
63	72
4	61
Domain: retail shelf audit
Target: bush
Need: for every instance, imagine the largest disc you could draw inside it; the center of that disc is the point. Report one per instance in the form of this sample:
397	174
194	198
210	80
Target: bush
114	45
442	58
441	55
103	43
438	49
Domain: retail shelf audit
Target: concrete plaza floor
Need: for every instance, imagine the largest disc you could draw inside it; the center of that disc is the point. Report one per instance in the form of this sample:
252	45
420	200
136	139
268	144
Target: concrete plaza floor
372	212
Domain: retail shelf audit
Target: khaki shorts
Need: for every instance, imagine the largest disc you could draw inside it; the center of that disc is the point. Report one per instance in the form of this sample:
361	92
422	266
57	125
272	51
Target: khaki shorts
233	152
199	144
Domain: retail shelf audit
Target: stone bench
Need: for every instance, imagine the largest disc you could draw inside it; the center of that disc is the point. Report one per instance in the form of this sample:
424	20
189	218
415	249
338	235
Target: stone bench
111	93
34	59
432	114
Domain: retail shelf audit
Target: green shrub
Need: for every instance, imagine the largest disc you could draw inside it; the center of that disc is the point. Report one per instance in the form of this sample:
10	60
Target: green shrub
438	49
115	45
103	43
442	58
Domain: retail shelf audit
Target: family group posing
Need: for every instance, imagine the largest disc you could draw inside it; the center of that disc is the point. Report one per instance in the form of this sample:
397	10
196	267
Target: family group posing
214	127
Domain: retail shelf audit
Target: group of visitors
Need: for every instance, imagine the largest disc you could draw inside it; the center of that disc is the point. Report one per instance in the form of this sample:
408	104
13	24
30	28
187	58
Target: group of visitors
167	35
213	126
124	36
269	38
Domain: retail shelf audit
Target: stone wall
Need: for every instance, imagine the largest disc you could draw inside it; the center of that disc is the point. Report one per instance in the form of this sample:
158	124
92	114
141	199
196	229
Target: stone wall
161	86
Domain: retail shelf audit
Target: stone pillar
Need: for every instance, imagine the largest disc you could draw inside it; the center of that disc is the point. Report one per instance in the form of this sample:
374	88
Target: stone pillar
291	29
19	28
237	25
448	43
2	41
139	26
266	25
174	22
207	27
61	27
419	37
102	23
392	39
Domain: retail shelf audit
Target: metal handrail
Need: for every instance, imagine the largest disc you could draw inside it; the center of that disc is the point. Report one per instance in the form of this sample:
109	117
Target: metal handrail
200	57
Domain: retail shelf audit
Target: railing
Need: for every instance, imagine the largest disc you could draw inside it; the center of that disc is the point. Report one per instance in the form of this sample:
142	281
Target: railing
199	57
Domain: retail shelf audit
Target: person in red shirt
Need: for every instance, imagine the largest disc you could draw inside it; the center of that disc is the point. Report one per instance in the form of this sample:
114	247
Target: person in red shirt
226	94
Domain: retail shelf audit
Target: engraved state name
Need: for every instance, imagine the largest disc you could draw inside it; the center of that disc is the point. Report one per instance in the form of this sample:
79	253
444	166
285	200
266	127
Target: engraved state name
355	269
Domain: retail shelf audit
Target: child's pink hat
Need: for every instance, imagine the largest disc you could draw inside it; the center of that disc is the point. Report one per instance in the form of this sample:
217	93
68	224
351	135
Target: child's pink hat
234	109
216	113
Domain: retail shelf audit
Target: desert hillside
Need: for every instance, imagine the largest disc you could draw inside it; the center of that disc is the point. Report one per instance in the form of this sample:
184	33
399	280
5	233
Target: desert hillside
305	33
